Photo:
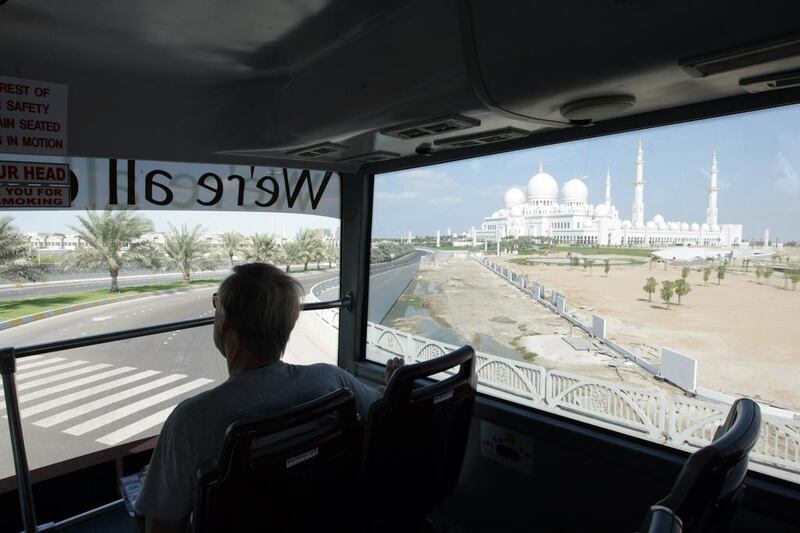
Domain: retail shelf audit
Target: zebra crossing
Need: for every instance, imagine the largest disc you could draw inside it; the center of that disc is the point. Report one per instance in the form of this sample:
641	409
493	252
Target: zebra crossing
82	398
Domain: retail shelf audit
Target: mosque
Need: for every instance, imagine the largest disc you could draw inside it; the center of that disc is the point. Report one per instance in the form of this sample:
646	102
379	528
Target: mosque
573	220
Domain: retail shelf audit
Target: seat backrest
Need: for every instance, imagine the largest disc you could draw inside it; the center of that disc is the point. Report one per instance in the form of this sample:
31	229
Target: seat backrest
287	472
708	485
416	434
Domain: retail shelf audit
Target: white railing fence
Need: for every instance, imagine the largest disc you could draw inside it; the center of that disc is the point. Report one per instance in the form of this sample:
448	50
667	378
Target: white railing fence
679	421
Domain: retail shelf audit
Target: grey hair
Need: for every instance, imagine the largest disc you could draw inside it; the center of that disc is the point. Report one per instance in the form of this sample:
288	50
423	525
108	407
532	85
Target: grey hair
263	304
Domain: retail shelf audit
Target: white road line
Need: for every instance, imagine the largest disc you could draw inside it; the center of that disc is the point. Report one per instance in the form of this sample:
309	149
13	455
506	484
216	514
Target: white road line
45	392
135	407
26	365
49	370
49	391
137	427
30	358
61	377
69	398
103	402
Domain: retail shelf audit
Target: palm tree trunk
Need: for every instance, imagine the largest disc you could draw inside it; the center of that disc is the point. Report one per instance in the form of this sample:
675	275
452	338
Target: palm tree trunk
114	286
287	268
317	265
187	274
305	266
230	261
650	297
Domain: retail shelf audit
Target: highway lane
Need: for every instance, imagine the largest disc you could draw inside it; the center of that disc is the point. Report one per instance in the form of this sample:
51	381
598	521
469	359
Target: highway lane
78	401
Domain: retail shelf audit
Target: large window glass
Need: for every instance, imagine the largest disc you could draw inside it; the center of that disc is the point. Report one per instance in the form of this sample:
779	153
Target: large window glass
66	274
639	281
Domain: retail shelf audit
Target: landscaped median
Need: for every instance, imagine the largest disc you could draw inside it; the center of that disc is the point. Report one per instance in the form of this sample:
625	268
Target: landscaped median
17	312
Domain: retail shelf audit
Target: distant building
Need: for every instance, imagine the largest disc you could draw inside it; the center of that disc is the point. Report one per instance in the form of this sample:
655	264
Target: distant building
574	220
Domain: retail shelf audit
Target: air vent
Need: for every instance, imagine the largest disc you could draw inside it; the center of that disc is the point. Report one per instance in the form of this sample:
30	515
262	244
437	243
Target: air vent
770	82
323	150
719	62
435	126
371	157
486	137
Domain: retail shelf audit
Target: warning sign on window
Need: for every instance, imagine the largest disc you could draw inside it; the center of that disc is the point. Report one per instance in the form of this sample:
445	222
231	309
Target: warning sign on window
33	117
35	184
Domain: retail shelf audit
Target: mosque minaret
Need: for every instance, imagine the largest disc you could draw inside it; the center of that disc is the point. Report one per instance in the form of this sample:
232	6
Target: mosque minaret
711	214
539	211
638	190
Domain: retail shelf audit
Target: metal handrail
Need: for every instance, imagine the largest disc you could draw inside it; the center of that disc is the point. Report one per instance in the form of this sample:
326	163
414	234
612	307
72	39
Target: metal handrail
91	340
9	355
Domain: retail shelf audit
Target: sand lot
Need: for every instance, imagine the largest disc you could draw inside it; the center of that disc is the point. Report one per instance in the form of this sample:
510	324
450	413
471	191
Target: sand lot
470	300
745	335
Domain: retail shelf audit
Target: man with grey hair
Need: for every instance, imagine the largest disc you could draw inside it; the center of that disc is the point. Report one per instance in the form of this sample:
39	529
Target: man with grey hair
255	310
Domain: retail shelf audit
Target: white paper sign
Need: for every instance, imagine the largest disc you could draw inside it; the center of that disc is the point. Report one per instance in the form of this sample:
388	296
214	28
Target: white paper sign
33	117
160	185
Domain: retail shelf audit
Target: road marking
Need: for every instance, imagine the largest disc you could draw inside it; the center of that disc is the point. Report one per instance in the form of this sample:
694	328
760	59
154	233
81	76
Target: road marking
137	427
69	398
122	412
104	402
76	383
101	318
60	377
30	358
25	366
49	370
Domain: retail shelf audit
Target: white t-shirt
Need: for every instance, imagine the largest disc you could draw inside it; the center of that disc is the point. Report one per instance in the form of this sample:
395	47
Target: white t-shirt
194	432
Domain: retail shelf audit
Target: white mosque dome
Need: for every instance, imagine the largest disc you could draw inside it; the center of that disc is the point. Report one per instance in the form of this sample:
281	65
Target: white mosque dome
674	226
626	224
601	210
658	219
542	186
517	210
684	226
715	227
695	226
575	191
705	227
662	225
639	225
651	225
514	196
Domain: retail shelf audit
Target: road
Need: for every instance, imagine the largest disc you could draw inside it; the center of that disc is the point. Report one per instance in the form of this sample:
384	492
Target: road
78	401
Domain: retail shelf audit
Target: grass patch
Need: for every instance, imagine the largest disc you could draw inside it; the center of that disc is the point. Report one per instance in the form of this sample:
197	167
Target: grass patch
413	301
27	306
526	354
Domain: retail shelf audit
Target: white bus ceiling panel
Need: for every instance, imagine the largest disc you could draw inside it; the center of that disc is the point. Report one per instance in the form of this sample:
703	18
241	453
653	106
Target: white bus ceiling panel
534	57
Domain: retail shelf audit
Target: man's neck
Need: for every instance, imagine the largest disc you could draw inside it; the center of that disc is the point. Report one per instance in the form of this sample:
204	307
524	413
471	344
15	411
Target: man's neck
246	362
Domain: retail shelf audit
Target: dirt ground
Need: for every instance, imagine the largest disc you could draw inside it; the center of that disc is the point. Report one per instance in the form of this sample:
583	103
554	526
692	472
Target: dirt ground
470	300
744	334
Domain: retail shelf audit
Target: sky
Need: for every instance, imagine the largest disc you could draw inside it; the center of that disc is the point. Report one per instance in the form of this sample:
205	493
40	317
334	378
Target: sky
758	157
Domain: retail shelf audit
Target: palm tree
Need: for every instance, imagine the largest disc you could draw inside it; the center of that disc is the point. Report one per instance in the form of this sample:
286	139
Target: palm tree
231	244
289	255
319	254
706	275
262	248
650	288
606	265
15	263
768	270
682	288
667	290
721	273
331	254
186	248
107	235
309	242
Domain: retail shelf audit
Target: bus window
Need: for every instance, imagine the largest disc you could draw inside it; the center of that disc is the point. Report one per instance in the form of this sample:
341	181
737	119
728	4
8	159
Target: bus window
639	281
74	273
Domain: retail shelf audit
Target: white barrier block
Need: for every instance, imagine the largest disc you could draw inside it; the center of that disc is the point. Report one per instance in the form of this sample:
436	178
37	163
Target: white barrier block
679	369
561	304
598	327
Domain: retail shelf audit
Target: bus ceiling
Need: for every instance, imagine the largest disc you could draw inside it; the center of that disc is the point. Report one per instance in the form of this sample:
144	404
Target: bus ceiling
336	84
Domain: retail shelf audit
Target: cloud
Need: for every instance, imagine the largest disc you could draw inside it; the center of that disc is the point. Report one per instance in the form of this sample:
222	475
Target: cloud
788	183
420	185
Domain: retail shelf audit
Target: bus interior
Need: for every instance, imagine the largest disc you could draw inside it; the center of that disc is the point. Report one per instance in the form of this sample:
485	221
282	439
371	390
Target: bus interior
418	116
